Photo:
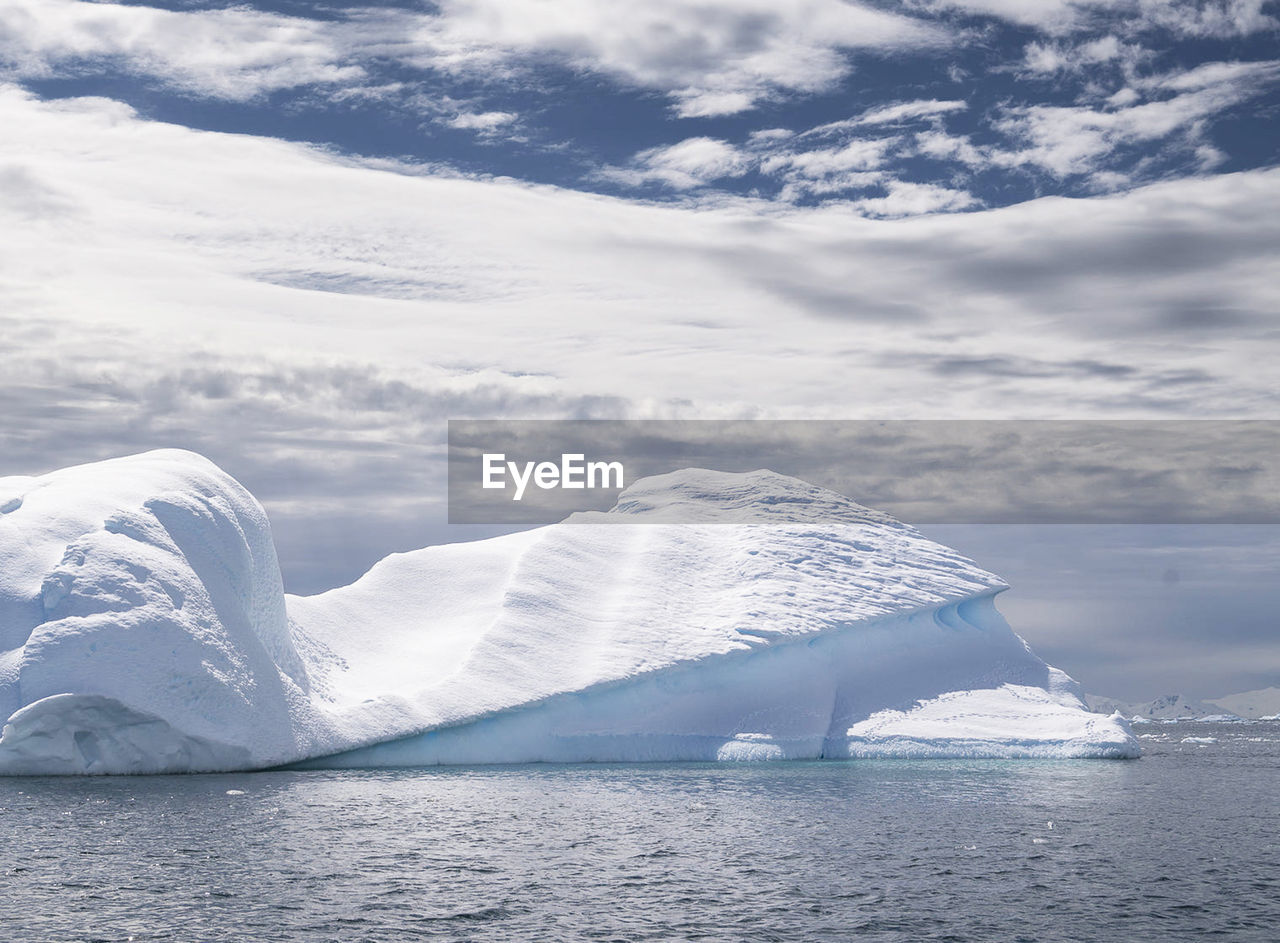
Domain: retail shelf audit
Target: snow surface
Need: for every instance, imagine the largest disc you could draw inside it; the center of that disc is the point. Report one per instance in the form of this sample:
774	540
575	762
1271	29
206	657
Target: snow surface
143	628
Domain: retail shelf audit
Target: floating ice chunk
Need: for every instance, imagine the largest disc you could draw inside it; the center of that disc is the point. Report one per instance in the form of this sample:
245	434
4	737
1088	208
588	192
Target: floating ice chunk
1009	721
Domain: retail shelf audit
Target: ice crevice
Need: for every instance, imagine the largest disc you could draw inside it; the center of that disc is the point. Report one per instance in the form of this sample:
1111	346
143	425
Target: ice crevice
708	616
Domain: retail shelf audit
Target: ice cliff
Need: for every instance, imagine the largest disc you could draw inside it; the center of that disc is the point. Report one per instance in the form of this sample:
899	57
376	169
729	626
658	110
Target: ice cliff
144	628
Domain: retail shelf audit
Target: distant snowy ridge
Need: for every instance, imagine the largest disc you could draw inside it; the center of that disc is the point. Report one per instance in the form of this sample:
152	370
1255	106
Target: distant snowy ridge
144	628
1263	704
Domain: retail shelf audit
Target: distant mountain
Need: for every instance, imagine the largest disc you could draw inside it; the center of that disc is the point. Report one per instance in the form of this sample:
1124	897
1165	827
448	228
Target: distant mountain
1251	705
1165	707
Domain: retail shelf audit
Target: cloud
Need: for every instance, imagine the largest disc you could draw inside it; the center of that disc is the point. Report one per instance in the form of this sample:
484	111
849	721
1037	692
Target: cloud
896	113
811	167
906	111
484	122
710	57
834	158
1051	16
216	245
1207	18
803	171
915	199
1185	18
232	53
690	163
1068	140
1043	58
1153	125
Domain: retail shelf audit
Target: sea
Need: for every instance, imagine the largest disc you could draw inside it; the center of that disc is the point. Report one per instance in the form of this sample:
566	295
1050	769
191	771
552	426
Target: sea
1182	844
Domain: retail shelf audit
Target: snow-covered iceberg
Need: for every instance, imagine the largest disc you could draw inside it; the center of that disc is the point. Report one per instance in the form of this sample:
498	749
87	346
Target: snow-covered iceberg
144	628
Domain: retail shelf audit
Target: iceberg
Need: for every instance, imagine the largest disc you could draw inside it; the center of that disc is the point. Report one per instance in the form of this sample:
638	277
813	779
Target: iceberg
708	616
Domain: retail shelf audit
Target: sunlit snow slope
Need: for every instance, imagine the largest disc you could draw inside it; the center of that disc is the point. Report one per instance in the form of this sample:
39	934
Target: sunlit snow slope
143	628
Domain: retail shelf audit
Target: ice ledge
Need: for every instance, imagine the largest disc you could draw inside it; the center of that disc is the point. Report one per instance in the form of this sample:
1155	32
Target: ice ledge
79	734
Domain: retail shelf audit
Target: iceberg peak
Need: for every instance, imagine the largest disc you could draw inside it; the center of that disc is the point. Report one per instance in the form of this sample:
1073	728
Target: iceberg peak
701	495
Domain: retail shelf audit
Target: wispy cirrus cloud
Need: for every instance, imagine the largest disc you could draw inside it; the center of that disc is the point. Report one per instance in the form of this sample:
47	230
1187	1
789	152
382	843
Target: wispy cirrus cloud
1191	18
839	157
1173	107
895	113
1110	139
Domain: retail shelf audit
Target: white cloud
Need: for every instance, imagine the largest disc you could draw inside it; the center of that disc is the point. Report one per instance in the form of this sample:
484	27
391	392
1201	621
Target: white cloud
906	111
690	163
803	170
200	246
1054	56
858	154
1188	18
712	57
1240	76
483	121
940	145
889	114
1207	18
1172	110
232	53
1074	139
915	199
1051	16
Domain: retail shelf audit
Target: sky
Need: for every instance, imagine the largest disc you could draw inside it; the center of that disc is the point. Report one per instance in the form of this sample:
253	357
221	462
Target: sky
300	237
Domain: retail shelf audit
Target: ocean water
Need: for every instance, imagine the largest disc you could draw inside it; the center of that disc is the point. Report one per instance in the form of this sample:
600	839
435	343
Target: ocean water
1180	845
